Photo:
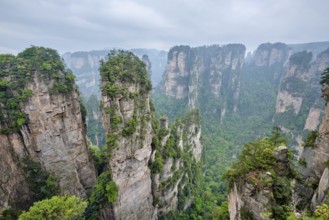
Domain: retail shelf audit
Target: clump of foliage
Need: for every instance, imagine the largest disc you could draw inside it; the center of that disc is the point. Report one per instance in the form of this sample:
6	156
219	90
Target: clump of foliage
123	67
294	85
17	71
301	58
10	214
322	211
310	139
130	126
256	159
156	166
41	183
99	156
58	207
258	155
302	162
105	192
221	212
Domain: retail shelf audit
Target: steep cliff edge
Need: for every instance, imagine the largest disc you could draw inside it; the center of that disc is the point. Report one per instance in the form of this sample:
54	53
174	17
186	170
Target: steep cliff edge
260	181
298	102
146	161
193	73
312	188
42	127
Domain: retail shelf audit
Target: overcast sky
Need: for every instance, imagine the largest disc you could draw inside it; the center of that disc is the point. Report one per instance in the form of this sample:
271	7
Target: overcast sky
82	25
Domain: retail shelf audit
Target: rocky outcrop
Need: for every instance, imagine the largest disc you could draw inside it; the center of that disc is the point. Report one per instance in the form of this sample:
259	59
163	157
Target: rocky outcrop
46	125
126	119
268	54
55	135
245	200
313	119
320	194
257	194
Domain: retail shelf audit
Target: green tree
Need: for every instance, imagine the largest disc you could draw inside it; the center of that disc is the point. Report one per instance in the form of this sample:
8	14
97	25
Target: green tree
221	212
58	207
322	211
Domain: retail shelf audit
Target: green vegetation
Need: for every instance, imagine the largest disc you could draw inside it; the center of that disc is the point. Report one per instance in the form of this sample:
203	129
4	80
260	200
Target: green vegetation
17	72
301	59
302	162
169	106
99	156
123	67
322	211
310	139
294	86
189	176
325	77
229	122
130	126
10	214
221	212
95	129
56	208
257	155
256	159
41	184
105	192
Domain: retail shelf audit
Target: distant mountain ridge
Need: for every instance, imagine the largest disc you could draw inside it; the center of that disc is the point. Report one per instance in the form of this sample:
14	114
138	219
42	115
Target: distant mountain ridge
85	65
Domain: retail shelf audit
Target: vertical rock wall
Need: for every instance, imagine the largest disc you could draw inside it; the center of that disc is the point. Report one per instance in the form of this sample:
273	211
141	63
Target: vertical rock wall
46	126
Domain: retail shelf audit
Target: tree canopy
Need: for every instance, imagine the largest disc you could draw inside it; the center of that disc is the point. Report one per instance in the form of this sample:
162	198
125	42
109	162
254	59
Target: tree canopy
58	207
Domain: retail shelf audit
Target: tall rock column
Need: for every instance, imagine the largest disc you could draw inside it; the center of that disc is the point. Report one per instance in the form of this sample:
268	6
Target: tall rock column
41	123
126	116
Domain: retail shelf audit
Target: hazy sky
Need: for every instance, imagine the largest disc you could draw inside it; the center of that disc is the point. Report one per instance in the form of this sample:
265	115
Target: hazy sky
73	25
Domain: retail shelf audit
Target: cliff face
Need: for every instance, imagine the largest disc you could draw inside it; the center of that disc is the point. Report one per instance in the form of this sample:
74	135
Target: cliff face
41	120
146	168
214	70
299	95
268	54
314	173
298	80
